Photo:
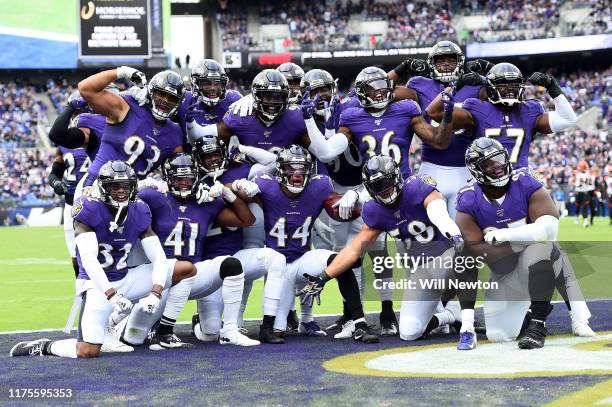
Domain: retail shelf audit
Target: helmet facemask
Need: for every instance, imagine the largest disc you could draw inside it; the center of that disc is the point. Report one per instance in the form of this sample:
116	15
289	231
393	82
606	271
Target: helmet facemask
164	104
117	192
492	170
295	91
294	175
375	93
447	68
270	104
210	90
384	188
325	94
212	159
182	182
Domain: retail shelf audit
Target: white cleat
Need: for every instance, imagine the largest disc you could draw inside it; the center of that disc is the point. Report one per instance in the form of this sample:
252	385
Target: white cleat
583	329
202	336
112	344
234	337
347	330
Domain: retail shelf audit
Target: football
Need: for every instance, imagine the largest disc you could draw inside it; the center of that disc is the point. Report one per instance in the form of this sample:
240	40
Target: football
333	212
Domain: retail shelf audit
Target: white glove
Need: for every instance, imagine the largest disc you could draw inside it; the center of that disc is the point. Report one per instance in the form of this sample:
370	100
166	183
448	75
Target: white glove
346	204
203	194
249	188
496	236
244	106
220	190
138	94
121	305
148	182
115	318
132	75
324	231
149	304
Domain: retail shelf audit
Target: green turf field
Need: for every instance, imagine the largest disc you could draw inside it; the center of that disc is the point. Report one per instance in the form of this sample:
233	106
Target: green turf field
37	282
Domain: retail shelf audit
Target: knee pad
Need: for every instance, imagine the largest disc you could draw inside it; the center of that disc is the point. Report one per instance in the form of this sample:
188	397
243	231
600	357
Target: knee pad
410	328
230	267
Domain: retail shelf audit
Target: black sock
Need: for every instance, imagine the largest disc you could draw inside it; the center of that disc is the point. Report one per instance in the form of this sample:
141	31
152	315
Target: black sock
541	288
347	283
268	321
166	326
434	322
387	308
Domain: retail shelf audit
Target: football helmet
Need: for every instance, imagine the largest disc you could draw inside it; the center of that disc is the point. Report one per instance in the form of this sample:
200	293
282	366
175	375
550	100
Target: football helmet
165	92
488	162
294	74
505	85
209	82
117	183
270	92
382	179
211	155
293	168
320	83
181	174
445	73
373	88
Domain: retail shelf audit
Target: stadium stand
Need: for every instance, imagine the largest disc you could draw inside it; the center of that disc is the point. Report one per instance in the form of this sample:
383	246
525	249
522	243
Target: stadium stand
21	110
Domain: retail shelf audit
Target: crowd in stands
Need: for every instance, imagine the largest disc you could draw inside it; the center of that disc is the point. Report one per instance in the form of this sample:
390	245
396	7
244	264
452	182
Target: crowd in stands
23	177
21	110
599	20
233	25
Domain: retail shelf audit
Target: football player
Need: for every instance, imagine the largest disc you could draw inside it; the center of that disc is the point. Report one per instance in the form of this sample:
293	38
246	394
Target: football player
584	187
294	74
291	200
412	211
143	136
69	166
182	224
106	228
506	116
216	166
496	213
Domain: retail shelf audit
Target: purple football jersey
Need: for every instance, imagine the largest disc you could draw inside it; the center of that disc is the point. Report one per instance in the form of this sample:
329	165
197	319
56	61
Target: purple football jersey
388	134
180	225
77	162
222	240
514	129
113	247
346	168
454	156
139	140
286	130
210	116
288	221
513	211
408	221
96	124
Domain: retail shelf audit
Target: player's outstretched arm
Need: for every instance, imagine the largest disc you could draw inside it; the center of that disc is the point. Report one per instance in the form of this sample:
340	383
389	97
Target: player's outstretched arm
462	118
412	66
155	252
63	135
437	137
563	117
105	102
435	205
238	214
352	252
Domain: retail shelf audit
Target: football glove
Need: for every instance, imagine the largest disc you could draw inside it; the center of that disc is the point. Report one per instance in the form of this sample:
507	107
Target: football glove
243	106
308	105
133	75
121	305
313	289
548	82
150	303
470	79
249	188
59	187
138	94
76	102
194	111
346	204
479	66
218	190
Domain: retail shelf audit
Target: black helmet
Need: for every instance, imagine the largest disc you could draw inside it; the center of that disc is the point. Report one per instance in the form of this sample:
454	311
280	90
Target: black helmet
165	93
117	183
373	88
321	82
290	161
177	171
382	178
294	74
270	92
211	155
488	162
446	48
505	84
209	81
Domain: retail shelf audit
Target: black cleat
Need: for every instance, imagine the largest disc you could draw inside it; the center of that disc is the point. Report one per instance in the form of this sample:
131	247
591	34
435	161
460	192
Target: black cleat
364	334
534	337
338	324
388	325
30	348
293	323
480	327
195	320
267	335
167	341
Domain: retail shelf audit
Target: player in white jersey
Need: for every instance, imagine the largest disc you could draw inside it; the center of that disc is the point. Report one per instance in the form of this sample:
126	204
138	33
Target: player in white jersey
584	188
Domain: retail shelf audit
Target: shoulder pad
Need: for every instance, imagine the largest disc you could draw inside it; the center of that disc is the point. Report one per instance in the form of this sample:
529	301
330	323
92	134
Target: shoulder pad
428	179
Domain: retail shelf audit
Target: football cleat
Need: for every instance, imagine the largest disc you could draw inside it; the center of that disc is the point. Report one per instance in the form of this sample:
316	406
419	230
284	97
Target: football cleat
467	340
196	331
582	329
112	344
480	327
388	326
348	328
337	324
534	337
311	329
364	334
243	330
293	323
167	341
30	348
267	335
234	337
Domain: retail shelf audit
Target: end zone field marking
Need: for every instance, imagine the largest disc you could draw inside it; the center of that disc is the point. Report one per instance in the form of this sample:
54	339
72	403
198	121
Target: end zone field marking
597	395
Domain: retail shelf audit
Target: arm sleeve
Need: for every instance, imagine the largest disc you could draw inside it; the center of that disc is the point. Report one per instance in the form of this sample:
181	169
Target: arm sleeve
155	252
544	228
325	149
438	215
87	243
63	136
563	116
259	155
196	131
57	171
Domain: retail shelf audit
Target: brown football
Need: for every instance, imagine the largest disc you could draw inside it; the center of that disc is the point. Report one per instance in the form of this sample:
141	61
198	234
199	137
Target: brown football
334	212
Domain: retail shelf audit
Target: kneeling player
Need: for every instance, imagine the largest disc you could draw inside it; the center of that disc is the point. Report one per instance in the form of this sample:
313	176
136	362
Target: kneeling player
413	211
106	228
497	212
291	200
